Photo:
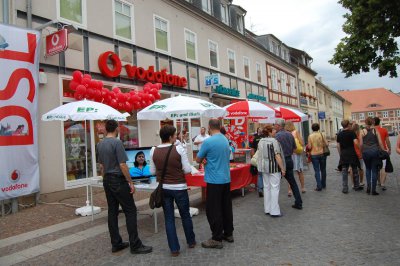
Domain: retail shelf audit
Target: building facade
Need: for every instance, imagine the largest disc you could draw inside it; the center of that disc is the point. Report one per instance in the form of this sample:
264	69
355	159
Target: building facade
188	39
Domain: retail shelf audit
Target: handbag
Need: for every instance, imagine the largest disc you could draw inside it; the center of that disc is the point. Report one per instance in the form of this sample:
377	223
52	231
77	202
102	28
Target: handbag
253	162
157	196
299	148
389	166
327	152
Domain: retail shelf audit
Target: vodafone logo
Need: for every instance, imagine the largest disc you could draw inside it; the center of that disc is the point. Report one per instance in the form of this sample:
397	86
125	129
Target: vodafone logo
237	113
14	176
55	39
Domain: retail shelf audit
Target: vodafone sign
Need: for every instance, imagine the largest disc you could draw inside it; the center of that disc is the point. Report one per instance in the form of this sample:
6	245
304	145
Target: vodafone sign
57	42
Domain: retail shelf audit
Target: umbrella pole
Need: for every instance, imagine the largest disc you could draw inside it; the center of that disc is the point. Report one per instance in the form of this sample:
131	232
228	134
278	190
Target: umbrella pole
87	169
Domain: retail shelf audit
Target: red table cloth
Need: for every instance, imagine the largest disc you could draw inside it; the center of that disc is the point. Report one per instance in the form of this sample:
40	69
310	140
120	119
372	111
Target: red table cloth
240	177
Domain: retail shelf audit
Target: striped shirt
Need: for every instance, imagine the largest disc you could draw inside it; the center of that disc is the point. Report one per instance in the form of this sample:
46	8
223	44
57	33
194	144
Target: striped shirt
266	161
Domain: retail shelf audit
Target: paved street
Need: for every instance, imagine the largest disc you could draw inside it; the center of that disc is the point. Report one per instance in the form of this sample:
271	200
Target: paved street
332	229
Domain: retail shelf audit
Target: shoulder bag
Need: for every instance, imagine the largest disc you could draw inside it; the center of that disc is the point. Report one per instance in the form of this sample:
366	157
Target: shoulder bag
156	197
327	152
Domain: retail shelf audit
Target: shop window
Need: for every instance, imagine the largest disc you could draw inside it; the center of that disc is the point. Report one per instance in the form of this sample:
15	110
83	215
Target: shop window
246	67
75	159
193	72
232	61
213	50
161	34
284	82
258	70
123	20
163	64
190	42
72	11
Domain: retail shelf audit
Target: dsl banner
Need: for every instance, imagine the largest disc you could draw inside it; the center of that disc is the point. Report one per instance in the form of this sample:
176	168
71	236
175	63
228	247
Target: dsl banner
19	65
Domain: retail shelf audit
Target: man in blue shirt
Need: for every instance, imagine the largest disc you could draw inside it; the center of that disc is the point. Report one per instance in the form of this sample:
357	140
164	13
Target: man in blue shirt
214	153
286	139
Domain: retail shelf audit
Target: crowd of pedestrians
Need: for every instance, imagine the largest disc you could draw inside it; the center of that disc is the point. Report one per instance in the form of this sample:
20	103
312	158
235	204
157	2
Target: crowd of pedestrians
278	152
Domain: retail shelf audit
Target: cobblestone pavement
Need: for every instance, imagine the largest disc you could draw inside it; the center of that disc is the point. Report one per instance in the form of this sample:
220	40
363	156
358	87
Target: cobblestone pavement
332	229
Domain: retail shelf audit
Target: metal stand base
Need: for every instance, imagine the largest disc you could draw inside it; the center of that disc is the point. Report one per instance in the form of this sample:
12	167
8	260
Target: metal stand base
87	210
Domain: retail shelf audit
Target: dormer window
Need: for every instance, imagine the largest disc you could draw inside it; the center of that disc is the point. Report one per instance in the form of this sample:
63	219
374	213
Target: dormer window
206	6
373	105
240	24
224	14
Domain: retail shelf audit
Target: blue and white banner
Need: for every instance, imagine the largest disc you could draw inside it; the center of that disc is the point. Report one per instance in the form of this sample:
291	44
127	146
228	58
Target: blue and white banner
19	64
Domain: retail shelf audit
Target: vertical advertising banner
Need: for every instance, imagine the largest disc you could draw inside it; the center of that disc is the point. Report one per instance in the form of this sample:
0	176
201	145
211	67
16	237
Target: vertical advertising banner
237	132
19	69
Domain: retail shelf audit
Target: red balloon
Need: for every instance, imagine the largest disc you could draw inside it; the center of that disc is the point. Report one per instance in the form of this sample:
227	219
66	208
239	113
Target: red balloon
116	90
121	106
81	89
86	82
93	84
157	96
147	87
87	76
153	91
152	98
104	92
145	97
78	96
97	96
137	105
73	84
149	103
100	84
128	107
114	103
121	97
77	76
90	93
159	86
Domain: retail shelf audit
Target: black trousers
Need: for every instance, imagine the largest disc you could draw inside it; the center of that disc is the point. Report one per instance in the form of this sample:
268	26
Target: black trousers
219	210
118	193
292	182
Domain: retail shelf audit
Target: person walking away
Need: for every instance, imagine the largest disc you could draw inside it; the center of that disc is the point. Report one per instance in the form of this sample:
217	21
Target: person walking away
288	147
297	156
253	145
370	142
398	144
174	186
201	137
356	129
270	165
348	156
215	152
119	188
387	147
316	143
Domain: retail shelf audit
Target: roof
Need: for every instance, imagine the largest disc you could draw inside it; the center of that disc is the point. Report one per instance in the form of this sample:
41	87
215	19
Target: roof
363	99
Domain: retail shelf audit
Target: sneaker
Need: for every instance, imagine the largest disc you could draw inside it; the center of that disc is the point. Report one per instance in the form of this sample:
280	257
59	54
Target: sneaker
211	243
121	246
228	239
142	250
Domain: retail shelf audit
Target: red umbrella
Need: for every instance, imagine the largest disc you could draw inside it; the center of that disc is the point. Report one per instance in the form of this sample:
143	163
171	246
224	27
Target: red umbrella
251	109
293	115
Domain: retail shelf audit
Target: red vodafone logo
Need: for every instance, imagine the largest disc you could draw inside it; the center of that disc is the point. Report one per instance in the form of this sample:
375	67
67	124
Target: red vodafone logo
136	72
57	42
55	39
15	175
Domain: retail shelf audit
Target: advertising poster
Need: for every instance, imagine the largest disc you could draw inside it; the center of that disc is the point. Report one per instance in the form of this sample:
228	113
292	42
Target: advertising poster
236	131
19	64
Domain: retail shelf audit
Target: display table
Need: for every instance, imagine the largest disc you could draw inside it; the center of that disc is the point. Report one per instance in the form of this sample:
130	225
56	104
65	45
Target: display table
246	152
98	182
240	178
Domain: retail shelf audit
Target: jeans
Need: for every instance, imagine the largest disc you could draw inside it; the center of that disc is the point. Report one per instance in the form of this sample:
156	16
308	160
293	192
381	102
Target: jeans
345	174
371	160
319	165
219	210
292	182
260	182
181	199
118	193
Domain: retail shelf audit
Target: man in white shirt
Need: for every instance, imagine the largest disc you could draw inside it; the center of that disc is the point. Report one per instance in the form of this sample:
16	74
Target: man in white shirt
201	137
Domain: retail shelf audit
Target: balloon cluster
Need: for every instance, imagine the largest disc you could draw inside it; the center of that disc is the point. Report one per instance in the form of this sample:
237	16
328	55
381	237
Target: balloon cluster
86	87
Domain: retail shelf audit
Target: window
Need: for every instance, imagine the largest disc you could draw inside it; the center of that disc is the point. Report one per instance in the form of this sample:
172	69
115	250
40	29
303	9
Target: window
292	86
213	49
258	70
248	88
72	11
321	97
232	61
274	48
190	42
123	20
274	79
385	114
284	82
398	113
161	34
205	5
1	10
361	116
224	14
246	65
354	117
240	24
370	114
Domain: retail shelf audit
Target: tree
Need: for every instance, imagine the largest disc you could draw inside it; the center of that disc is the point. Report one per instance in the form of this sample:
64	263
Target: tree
372	27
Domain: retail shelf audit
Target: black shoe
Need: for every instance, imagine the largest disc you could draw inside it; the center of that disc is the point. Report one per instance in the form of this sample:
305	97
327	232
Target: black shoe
383	188
228	239
368	190
142	250
358	188
345	191
260	194
121	246
297	207
374	193
276	216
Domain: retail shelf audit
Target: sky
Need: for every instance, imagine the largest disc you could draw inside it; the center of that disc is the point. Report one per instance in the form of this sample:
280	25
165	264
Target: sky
314	26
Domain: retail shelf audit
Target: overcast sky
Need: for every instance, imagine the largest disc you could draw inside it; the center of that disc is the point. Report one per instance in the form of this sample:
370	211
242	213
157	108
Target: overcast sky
314	26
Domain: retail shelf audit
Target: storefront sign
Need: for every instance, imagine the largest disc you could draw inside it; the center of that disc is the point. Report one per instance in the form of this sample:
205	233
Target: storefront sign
321	115
19	64
256	97
137	72
57	42
212	80
227	91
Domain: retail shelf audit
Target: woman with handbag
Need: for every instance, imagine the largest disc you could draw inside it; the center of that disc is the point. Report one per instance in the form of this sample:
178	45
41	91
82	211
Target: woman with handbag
371	143
316	145
297	156
170	163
